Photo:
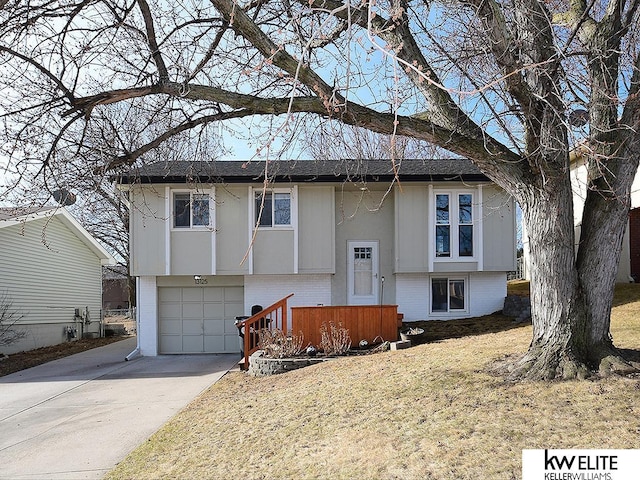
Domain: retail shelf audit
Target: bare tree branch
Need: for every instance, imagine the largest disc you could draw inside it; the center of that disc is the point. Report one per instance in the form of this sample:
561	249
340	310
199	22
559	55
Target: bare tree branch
153	42
210	52
252	105
48	74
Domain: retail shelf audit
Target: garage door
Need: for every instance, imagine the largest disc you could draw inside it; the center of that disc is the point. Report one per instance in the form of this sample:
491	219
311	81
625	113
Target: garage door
199	319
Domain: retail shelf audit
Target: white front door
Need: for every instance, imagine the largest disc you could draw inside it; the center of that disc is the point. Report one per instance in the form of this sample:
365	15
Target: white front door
362	273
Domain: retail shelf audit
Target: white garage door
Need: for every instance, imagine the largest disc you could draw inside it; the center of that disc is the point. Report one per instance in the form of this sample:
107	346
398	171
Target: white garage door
199	319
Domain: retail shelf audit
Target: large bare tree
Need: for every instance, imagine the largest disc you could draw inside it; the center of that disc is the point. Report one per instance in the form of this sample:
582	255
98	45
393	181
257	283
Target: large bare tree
329	140
510	84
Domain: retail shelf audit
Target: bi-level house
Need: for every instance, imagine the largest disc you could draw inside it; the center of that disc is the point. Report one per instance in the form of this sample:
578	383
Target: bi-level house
210	240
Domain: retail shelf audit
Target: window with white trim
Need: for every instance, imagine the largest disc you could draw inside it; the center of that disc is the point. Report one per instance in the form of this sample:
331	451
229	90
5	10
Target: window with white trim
449	295
191	210
465	225
443	225
273	208
454	224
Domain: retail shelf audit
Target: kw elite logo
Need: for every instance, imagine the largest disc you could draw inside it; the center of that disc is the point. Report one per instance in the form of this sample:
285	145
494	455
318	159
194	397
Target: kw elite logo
580	464
590	467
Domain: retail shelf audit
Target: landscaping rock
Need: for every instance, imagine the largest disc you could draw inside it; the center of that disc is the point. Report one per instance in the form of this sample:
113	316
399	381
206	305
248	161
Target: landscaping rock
518	307
260	366
400	344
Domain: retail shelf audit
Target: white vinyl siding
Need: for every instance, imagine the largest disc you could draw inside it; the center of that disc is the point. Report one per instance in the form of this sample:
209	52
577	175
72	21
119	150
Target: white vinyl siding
48	272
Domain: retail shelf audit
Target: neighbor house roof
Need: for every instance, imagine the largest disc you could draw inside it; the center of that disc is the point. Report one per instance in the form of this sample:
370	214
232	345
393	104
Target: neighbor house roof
16	215
303	171
12	213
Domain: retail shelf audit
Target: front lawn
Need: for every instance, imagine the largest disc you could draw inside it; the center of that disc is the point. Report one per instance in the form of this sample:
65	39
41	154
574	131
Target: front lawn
429	412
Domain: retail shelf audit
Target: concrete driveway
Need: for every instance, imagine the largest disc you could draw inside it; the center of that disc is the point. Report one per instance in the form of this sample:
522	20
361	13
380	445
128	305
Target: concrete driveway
77	417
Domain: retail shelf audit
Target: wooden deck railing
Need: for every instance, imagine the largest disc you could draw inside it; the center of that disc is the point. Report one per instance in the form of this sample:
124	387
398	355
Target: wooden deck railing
274	316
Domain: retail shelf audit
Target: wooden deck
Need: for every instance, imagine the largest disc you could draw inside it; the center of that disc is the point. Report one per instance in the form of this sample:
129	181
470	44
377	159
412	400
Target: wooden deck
373	323
274	316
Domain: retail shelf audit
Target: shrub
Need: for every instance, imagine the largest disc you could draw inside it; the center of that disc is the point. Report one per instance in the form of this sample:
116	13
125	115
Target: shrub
334	340
8	319
276	344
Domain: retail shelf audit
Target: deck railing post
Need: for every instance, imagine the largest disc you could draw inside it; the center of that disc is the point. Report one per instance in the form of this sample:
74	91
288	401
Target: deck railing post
284	318
253	324
247	345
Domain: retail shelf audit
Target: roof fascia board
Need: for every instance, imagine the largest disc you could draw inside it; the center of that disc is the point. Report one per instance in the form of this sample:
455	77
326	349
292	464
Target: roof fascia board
25	217
308	179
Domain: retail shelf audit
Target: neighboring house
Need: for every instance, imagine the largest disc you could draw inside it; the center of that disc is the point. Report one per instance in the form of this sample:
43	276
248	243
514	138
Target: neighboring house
437	241
629	266
51	272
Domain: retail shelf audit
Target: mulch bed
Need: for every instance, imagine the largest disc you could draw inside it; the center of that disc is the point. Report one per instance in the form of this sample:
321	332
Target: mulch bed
435	330
21	360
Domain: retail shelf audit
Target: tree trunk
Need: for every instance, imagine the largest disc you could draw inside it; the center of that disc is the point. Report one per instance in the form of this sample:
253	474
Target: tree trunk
571	297
604	222
557	301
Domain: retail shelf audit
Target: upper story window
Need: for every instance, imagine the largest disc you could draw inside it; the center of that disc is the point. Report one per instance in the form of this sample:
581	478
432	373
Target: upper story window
443	226
273	209
454	224
465	225
191	210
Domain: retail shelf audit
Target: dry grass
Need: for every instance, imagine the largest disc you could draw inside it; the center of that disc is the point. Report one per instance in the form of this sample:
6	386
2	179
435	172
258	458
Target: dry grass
518	287
430	412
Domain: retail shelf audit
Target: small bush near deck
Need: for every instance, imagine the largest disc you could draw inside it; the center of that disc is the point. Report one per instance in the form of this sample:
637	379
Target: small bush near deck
276	344
334	340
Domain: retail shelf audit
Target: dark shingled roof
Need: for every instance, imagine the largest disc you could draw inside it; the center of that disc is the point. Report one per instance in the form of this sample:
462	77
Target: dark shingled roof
223	171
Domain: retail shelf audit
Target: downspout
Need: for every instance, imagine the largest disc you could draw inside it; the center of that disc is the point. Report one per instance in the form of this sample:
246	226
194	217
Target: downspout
136	352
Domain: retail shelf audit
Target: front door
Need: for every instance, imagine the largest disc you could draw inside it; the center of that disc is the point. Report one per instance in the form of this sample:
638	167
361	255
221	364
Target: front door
362	273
